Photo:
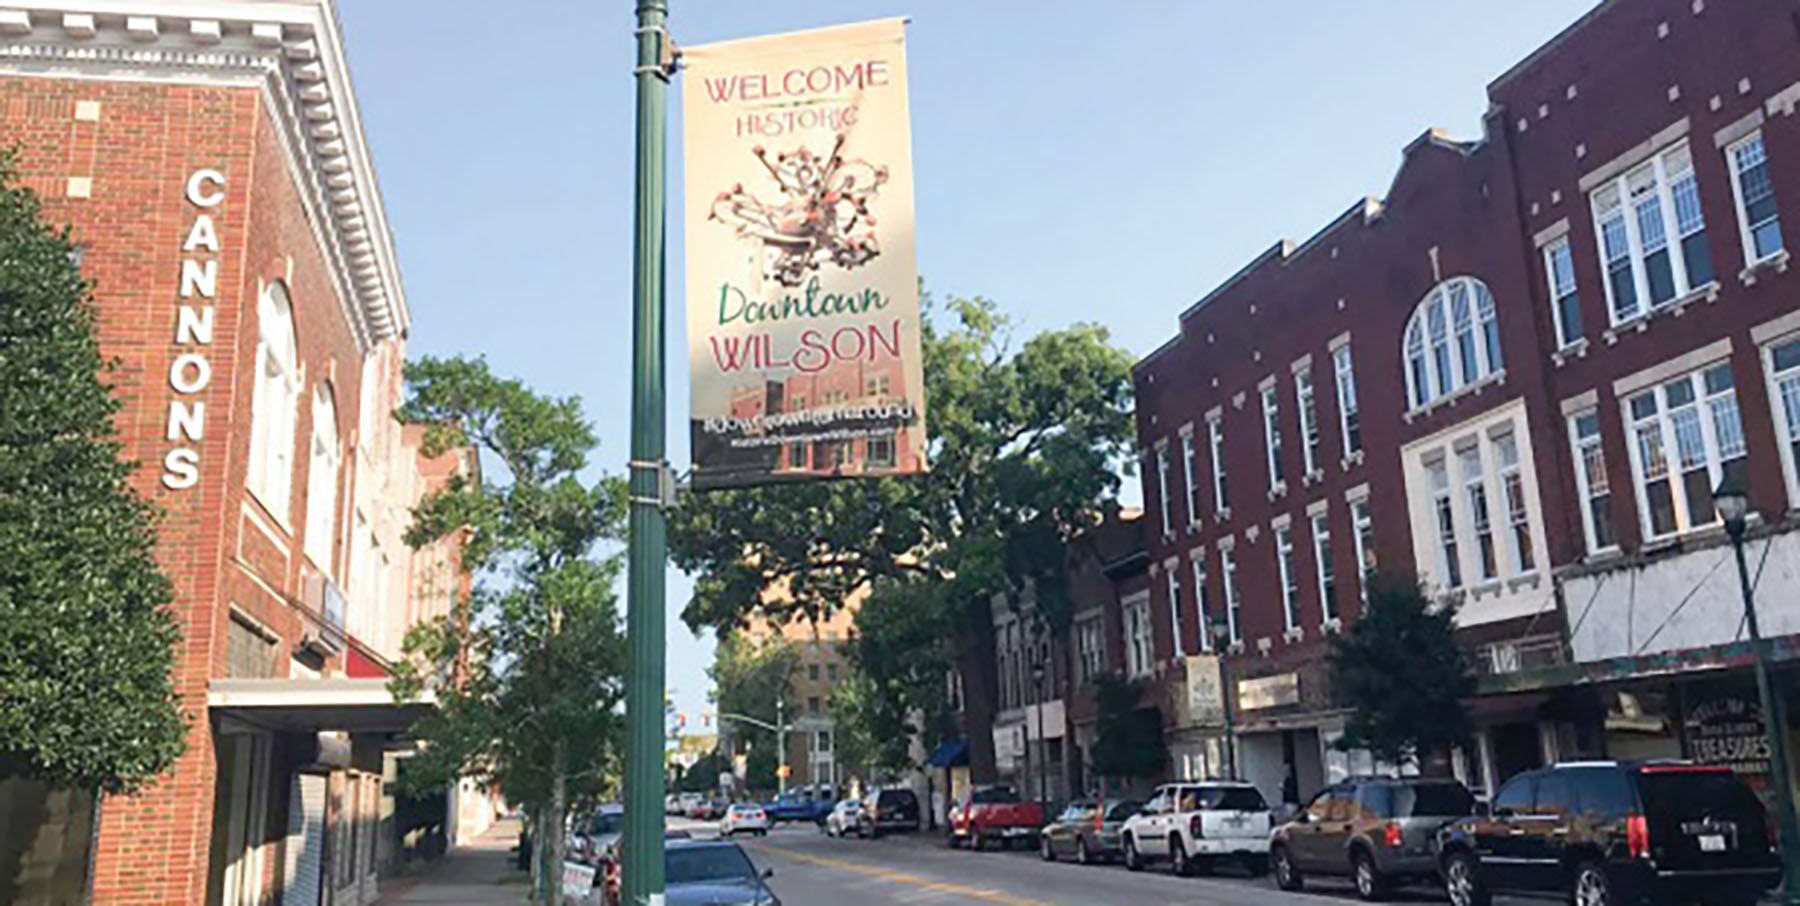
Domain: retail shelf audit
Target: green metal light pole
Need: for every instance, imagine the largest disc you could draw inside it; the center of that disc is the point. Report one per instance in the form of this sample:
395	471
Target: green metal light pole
641	851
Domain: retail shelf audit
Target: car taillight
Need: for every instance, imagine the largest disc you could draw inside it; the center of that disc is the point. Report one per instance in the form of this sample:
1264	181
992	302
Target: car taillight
1099	819
1394	838
1196	827
1637	836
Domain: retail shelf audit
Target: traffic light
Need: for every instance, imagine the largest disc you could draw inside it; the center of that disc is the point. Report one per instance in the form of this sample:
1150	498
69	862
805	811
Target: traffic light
783	772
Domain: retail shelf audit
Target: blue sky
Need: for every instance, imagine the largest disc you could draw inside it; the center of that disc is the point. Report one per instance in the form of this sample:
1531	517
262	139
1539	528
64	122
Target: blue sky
1069	166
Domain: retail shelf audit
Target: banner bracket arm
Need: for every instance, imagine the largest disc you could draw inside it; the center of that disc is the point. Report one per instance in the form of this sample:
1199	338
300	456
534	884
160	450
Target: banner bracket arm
668	484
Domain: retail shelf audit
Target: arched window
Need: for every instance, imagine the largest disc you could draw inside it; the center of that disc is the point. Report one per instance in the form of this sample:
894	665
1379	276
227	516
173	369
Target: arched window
322	479
274	401
1452	341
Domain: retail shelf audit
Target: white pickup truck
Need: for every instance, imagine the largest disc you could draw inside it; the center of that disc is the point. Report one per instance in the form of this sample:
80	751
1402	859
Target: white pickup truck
1197	824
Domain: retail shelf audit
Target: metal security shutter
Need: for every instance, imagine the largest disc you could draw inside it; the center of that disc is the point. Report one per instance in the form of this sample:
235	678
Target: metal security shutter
305	849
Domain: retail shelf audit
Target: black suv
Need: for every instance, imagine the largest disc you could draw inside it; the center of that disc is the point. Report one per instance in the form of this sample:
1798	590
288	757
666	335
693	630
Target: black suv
888	810
1615	834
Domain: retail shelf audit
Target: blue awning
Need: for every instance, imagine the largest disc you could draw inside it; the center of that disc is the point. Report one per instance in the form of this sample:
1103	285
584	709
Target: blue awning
950	753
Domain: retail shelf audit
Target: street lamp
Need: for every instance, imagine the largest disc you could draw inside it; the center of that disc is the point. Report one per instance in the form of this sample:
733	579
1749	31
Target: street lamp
1220	626
1037	685
1734	508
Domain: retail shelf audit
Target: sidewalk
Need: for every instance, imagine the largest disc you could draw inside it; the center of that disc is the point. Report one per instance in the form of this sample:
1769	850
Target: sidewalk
479	873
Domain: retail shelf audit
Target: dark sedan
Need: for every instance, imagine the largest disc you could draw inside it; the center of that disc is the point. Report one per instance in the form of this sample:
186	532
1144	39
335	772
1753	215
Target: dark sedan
714	873
1087	830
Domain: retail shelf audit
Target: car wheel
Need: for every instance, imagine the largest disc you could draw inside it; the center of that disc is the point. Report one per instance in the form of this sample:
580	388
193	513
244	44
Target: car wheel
1462	881
1133	861
1046	848
1179	864
1589	886
977	842
1370	885
1082	855
1287	875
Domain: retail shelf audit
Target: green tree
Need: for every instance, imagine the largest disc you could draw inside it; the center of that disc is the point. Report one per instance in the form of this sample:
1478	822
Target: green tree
87	640
1128	739
703	776
1024	443
528	673
900	652
1399	669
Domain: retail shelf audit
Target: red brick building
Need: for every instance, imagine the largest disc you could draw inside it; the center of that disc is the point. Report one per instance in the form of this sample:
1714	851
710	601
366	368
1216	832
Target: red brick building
209	160
1520	374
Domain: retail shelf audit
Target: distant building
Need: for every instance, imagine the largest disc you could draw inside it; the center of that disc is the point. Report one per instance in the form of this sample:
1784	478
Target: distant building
823	662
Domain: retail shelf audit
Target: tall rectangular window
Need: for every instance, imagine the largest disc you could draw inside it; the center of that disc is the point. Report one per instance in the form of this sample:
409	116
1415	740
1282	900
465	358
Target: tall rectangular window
1310	438
1565	302
1652	234
1271	409
1592	481
1176	646
1512	491
1290	578
1475	487
1137	636
1092	649
1346	396
1321	533
1784	392
1233	601
1364	527
1687	438
1162	487
1187	474
880	452
1199	560
1449	558
1758	220
1215	433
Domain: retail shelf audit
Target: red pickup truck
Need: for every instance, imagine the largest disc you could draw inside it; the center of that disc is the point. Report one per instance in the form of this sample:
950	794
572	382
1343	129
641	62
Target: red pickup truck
993	814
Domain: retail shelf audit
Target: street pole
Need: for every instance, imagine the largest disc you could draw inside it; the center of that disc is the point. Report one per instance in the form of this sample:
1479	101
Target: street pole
1037	682
780	751
1221	633
647	547
1774	724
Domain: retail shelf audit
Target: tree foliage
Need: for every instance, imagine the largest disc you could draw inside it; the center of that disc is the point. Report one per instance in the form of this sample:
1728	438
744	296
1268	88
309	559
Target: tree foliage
1399	669
1128	740
1024	444
87	639
529	672
900	652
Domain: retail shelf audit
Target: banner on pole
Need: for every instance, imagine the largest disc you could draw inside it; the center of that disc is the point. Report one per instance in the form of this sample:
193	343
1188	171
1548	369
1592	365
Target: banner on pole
802	278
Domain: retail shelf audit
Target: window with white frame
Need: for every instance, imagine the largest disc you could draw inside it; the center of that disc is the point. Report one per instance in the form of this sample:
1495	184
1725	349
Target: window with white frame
1137	636
1783	362
1271	409
1592	482
1686	438
1311	441
1452	340
1162	486
1364	526
1321	535
275	401
1090	645
1290	577
1565	302
1187	474
1759	223
1215	432
879	451
1475	487
1444	518
1199	566
1234	602
1173	571
322	480
1512	493
1348	420
1652	234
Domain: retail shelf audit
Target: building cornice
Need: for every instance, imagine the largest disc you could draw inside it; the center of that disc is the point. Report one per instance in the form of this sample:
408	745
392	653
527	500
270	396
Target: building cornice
294	50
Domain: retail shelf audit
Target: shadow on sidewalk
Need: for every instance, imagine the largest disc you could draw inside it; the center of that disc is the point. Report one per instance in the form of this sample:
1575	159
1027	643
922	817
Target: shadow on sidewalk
477	873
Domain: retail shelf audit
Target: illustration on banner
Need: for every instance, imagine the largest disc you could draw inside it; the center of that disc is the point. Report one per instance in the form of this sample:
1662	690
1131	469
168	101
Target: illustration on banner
824	200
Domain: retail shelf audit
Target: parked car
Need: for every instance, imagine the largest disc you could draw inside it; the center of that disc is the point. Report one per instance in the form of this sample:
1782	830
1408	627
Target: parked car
707	810
1377	831
895	809
686	803
745	817
1196	824
714	873
595	837
1088	830
1615	834
992	814
800	805
843	818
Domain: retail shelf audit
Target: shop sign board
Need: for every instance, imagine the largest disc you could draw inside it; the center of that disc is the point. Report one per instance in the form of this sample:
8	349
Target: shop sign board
1728	730
1269	692
1205	694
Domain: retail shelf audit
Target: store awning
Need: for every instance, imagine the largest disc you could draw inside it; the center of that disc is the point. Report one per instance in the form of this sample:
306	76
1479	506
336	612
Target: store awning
308	705
950	753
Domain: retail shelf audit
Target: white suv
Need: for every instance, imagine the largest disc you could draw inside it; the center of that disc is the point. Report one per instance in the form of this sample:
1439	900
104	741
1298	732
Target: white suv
1195	824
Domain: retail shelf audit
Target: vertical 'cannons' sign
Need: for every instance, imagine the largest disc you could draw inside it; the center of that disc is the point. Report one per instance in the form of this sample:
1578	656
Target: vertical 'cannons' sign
802	280
190	370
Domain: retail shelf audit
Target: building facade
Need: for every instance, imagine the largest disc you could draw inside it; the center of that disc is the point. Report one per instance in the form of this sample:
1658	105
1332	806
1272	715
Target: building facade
209	160
822	661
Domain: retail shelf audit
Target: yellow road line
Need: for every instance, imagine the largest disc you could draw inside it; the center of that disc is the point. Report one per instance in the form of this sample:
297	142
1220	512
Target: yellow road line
899	877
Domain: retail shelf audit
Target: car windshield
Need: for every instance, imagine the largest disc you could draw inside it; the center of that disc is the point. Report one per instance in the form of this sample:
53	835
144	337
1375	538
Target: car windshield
609	823
1122	810
1433	800
1223	798
848	805
707	865
1675	796
994	794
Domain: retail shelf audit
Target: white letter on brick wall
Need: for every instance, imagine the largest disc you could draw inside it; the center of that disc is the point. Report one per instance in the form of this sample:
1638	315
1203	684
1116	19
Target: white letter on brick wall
197	192
186	420
178	377
181	468
194	325
202	235
199	277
